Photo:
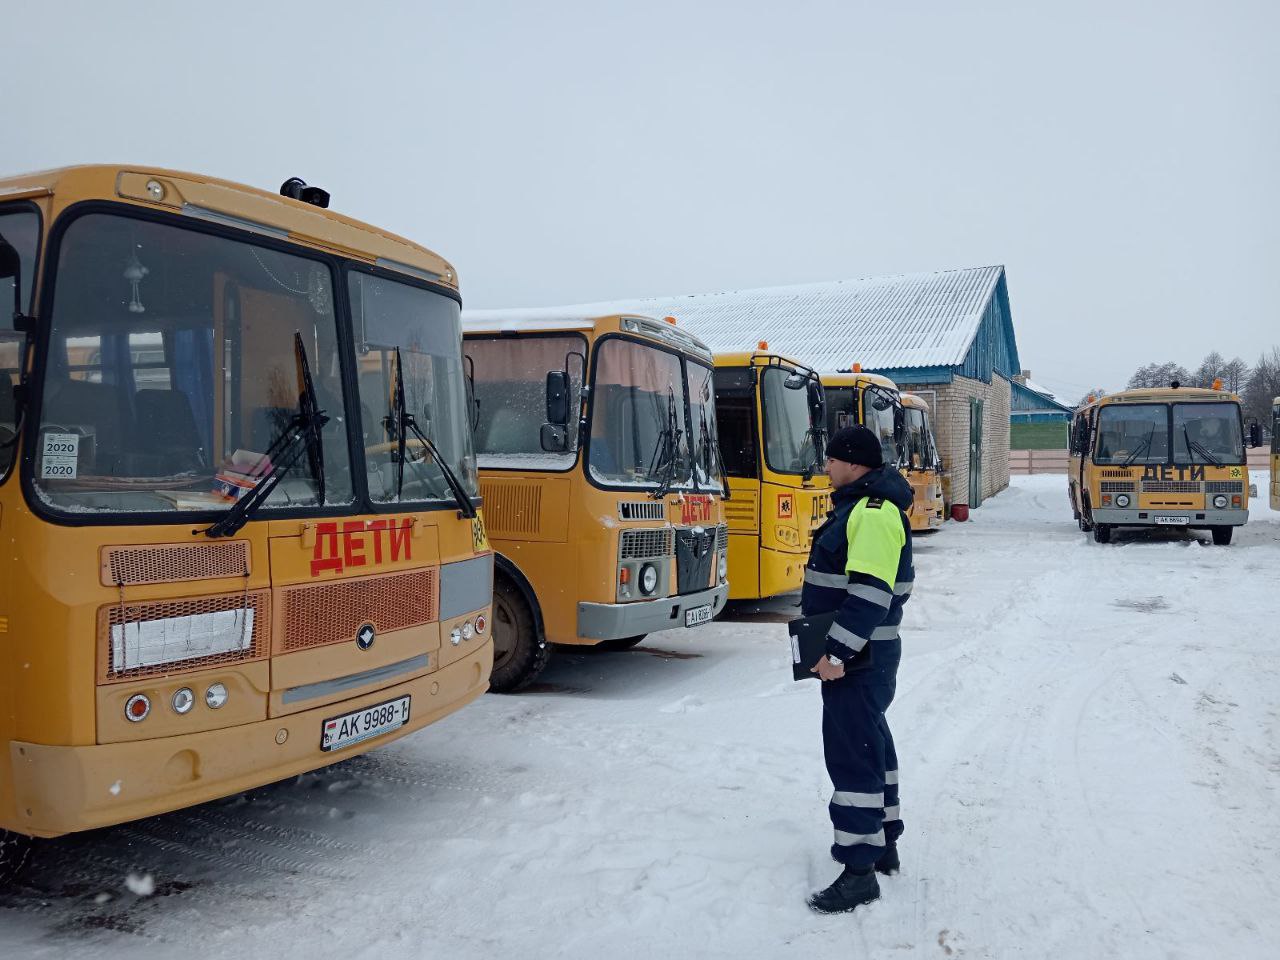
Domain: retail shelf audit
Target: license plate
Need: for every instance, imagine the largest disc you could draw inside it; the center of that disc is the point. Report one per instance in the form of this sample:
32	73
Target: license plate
362	724
1173	521
696	615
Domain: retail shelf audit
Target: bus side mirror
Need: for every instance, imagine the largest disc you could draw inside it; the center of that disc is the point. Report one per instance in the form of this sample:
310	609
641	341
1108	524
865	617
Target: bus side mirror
557	398
554	438
1255	434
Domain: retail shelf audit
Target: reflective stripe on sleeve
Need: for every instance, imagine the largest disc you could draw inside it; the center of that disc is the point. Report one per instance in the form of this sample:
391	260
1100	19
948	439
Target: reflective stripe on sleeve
893	813
848	637
865	591
825	579
882	633
846	798
903	589
853	839
891	776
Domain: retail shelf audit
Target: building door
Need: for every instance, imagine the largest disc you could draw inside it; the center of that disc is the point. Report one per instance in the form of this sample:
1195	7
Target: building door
975	453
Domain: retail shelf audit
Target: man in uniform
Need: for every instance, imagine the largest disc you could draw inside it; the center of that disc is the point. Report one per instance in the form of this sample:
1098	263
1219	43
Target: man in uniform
860	569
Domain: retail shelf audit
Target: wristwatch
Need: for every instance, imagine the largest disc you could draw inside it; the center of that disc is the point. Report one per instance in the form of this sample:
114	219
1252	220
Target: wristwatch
834	660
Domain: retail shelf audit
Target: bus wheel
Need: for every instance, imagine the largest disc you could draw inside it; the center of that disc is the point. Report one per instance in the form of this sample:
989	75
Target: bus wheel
519	652
14	848
1102	533
621	643
1221	535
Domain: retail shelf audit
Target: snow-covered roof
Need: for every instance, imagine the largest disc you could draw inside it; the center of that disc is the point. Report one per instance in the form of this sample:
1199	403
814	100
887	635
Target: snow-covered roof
909	320
1043	391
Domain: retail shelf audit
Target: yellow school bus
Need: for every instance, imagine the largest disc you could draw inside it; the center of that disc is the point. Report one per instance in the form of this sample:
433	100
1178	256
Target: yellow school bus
1275	454
239	499
769	409
1172	456
600	470
921	465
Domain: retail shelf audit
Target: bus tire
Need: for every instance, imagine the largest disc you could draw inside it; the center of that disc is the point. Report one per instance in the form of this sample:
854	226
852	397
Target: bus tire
1221	535
621	643
520	651
1102	533
14	849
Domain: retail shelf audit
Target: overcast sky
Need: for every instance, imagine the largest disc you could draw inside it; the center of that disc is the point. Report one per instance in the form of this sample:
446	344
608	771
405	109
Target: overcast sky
1121	159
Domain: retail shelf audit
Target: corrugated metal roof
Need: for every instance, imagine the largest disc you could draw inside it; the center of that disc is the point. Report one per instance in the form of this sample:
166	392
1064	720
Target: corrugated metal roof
910	320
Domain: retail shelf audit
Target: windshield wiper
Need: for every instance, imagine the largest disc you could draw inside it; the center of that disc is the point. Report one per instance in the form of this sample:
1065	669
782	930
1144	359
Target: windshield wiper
302	432
1200	448
1143	445
406	424
667	445
713	461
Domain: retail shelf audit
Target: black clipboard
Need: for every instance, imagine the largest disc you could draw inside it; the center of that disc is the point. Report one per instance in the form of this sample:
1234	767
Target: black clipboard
809	645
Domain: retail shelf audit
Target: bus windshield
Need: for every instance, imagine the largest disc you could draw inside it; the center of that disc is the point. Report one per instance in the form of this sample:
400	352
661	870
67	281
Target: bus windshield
842	408
700	381
510	375
1207	433
639	433
790	440
1130	433
425	327
170	370
878	416
919	455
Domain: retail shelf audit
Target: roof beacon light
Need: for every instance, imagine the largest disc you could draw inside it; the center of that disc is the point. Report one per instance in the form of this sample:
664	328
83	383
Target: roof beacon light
1217	383
670	320
856	368
762	345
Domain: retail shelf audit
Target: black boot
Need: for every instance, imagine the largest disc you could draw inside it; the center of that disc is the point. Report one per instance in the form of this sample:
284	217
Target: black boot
888	864
851	889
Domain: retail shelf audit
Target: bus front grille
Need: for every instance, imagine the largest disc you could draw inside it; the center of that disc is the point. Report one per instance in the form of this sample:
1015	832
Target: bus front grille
148	639
1117	486
1224	486
647	544
137	564
316	615
1170	486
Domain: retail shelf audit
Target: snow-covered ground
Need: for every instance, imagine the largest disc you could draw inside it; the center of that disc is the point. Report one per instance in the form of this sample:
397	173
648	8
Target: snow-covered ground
1089	740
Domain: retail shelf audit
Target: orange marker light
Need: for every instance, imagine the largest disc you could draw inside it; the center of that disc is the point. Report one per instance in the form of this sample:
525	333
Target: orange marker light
624	575
1217	383
857	368
670	320
762	345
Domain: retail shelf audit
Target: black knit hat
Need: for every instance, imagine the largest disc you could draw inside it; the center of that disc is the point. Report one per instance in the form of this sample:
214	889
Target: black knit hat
856	445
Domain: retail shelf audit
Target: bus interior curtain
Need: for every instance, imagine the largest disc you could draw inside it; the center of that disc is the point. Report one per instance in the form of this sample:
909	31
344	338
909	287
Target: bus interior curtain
117	370
193	376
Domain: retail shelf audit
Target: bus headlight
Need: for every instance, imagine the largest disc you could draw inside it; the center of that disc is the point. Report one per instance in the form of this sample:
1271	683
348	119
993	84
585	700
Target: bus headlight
1220	501
723	566
215	696
1122	500
183	700
648	579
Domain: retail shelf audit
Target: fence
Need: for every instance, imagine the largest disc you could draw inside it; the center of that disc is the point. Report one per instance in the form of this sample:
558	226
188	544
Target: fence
1023	462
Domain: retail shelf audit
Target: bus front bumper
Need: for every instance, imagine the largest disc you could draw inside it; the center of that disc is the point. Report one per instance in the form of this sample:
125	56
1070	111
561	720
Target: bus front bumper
61	789
616	621
1129	517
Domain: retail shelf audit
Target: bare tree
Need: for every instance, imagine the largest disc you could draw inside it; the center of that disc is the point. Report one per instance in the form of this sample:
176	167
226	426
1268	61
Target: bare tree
1235	375
1210	369
1093	394
1159	375
1263	386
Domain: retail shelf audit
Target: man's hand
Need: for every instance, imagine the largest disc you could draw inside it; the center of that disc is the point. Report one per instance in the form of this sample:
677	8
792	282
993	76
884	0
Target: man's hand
826	670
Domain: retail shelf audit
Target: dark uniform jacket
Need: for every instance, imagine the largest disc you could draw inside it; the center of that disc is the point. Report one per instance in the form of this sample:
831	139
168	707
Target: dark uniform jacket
860	563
